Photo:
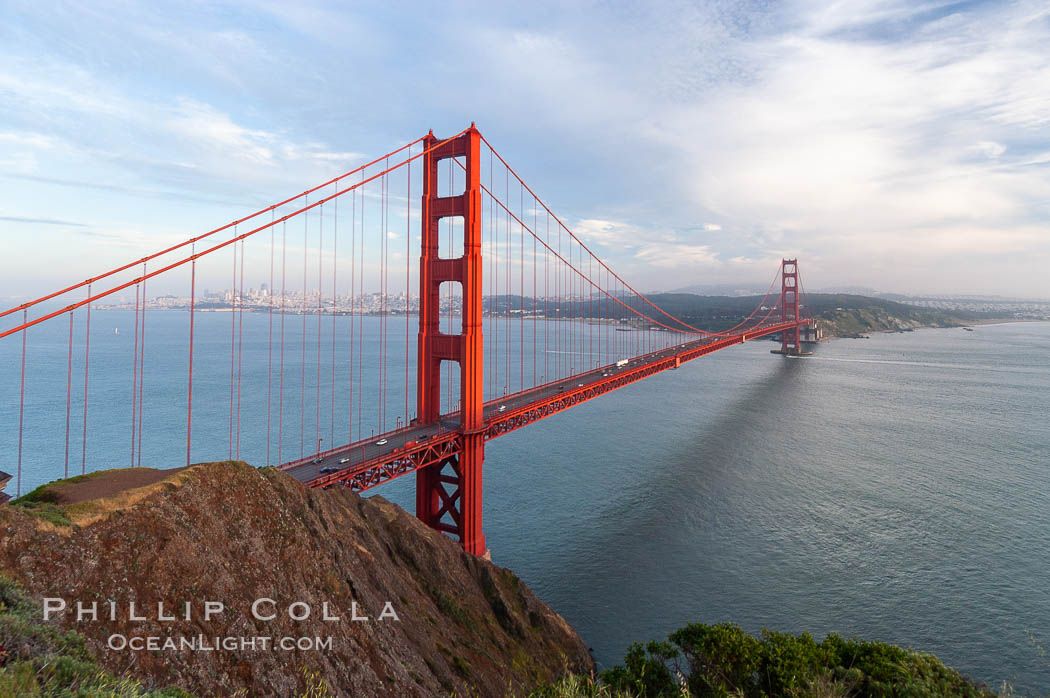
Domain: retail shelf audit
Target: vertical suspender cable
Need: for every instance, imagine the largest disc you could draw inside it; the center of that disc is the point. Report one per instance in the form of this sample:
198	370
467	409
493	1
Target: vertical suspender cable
408	274
561	312
546	301
135	376
335	304
284	306
320	302
570	320
493	288
506	383
233	335
353	310
302	359
521	284
385	234
486	299
142	363
574	340
69	391
577	292
535	218
381	357
240	347
625	347
574	305
383	272
598	298
87	355
603	306
189	382
21	401
361	316
269	345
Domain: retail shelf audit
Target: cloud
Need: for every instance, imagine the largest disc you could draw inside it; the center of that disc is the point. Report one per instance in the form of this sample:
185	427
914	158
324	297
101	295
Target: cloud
178	141
42	221
989	149
844	145
131	191
807	129
27	139
668	254
203	127
605	232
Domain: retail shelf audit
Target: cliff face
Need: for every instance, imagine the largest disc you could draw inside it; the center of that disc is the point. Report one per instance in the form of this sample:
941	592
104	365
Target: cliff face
856	322
228	533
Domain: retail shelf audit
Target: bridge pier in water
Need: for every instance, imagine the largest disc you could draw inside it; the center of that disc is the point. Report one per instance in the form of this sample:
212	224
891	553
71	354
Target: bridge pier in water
449	493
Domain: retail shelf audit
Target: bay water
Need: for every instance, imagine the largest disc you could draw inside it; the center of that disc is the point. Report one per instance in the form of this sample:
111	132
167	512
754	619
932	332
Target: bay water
891	488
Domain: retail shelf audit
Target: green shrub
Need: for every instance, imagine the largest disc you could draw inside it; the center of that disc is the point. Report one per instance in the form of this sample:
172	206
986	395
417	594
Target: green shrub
44	494
52	513
646	672
723	660
722	656
43	503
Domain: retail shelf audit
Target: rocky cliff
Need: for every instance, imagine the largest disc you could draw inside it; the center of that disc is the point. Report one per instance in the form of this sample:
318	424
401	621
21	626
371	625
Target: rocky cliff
227	536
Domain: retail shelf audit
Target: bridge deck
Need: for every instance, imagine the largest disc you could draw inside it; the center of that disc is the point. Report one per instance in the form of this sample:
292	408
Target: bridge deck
375	460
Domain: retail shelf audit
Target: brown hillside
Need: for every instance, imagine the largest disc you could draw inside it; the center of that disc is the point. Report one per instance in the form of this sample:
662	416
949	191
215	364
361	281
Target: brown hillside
229	533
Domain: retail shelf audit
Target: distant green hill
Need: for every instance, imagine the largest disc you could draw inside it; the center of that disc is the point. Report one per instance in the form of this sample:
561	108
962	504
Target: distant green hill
841	314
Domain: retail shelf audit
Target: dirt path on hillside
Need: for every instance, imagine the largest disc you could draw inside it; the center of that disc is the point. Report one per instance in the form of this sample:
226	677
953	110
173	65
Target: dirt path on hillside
110	483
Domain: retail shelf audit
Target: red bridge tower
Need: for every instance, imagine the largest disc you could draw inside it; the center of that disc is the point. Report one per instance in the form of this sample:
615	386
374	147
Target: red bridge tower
790	340
449	493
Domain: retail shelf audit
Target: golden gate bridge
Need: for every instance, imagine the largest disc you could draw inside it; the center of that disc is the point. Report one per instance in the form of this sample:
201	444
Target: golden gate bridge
516	319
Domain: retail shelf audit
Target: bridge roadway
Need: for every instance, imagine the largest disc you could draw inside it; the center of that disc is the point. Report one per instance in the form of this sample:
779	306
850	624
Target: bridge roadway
369	462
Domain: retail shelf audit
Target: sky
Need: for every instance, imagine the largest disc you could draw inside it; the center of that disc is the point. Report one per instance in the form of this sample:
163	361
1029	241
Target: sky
899	146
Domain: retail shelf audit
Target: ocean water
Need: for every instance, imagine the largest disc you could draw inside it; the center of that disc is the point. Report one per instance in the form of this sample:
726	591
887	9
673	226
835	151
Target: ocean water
893	488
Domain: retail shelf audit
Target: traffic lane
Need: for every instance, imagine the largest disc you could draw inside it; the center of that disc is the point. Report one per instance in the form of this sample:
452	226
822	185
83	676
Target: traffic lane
519	400
397	440
592	376
582	379
370	450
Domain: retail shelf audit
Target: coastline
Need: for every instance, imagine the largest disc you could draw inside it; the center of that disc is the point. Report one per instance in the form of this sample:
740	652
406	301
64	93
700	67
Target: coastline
982	322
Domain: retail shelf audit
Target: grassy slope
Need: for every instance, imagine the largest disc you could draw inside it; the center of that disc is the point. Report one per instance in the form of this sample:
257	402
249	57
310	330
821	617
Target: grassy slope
44	502
42	660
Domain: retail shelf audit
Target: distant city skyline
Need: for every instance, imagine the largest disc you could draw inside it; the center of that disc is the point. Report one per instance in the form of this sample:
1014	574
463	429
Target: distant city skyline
892	145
